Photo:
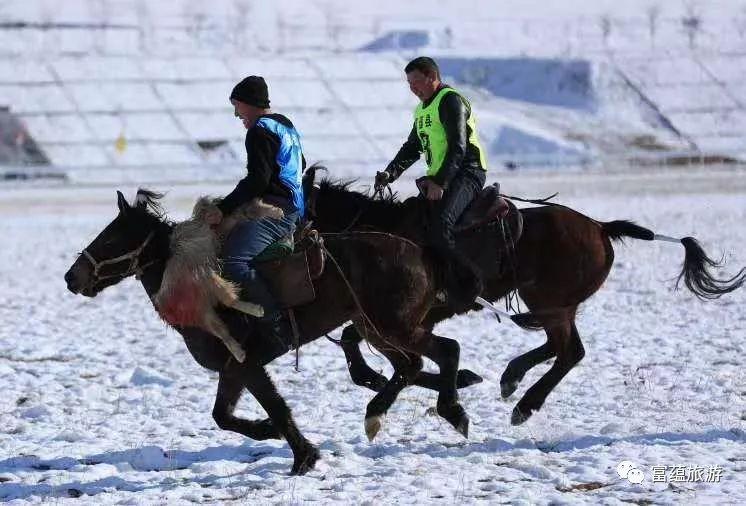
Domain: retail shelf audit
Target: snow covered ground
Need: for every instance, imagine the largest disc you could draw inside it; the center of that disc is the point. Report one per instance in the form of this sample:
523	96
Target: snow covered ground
102	403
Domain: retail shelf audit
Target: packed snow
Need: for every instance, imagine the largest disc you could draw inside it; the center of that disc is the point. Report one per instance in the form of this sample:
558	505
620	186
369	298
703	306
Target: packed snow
103	403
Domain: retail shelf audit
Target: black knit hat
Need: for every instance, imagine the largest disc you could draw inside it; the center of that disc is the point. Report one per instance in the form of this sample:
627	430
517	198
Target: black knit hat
253	91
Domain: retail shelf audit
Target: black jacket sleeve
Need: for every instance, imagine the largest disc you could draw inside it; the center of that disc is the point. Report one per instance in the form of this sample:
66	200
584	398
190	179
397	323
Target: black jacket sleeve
261	151
407	155
453	115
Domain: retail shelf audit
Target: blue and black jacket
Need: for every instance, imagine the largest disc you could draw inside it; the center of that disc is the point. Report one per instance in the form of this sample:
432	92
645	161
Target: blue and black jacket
275	165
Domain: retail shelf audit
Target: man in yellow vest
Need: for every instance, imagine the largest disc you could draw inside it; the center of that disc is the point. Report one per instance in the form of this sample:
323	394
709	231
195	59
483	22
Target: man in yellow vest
445	131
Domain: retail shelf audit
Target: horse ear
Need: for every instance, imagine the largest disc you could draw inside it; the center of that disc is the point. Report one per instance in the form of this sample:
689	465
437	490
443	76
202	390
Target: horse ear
124	206
141	199
309	178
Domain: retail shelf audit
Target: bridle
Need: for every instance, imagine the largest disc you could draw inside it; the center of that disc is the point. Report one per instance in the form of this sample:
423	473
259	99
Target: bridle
379	194
133	257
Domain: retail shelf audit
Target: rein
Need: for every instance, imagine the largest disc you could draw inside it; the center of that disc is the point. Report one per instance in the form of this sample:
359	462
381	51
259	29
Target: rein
133	257
366	319
377	195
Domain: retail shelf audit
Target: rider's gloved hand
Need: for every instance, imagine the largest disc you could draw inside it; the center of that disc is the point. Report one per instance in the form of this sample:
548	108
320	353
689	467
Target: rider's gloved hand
382	179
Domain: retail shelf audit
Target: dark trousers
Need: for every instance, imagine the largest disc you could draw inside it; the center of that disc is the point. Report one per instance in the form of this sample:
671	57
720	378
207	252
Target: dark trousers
462	279
444	213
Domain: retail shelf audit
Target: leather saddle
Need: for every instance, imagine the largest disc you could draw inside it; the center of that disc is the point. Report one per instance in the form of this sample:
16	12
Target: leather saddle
489	211
487	207
290	276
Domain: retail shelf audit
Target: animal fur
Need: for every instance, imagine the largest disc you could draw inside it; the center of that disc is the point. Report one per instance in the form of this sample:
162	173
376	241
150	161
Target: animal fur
192	285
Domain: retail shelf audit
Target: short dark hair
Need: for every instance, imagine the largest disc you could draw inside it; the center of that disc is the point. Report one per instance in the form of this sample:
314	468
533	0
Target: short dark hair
424	64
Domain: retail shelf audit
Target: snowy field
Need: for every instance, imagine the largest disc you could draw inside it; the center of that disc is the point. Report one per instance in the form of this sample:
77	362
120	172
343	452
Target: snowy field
103	405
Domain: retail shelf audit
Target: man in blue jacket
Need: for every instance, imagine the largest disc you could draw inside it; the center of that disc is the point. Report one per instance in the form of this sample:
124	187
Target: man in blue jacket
274	168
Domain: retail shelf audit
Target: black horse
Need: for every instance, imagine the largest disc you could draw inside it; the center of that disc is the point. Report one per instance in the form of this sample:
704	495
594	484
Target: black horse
560	260
362	267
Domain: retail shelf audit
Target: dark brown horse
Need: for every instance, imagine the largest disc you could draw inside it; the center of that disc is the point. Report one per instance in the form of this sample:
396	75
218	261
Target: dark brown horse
561	259
365	265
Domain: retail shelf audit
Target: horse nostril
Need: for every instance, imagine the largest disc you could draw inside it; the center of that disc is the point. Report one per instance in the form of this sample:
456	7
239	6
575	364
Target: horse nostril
70	280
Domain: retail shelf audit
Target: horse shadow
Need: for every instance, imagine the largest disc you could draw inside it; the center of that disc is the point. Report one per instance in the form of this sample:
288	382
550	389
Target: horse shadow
153	458
497	445
147	458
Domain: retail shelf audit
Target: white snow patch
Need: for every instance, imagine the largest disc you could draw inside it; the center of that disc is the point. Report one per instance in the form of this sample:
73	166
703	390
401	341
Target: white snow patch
146	376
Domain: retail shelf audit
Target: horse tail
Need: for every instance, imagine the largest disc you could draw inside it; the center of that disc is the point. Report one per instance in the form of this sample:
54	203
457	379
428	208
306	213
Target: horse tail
696	270
619	229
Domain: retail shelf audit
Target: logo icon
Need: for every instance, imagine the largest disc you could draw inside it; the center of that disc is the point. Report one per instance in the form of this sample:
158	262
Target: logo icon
628	471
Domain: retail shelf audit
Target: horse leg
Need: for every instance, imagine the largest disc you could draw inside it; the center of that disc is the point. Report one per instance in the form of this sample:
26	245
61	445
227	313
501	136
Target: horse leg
230	388
445	353
406	367
360	372
519	366
565	341
258	382
432	381
362	375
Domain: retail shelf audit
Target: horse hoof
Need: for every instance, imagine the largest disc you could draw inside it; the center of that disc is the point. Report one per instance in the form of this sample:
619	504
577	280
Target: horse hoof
518	416
462	427
372	426
507	389
467	378
457	417
305	463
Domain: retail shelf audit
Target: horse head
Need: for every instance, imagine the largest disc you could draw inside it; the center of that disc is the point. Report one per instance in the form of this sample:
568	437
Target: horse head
132	241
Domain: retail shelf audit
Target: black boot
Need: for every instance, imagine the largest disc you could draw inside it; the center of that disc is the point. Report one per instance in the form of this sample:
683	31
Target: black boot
275	327
253	335
462	280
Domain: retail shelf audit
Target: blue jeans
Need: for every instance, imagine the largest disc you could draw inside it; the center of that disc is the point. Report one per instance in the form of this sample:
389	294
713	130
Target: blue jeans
247	240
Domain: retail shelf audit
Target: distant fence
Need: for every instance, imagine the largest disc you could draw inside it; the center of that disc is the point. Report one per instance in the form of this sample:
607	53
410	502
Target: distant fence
226	172
251	27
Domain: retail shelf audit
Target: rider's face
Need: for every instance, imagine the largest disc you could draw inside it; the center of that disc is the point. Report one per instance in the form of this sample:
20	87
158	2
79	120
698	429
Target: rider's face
248	113
422	85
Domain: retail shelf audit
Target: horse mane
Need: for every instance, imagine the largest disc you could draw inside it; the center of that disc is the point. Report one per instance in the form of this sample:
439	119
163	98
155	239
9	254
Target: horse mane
344	186
149	201
384	212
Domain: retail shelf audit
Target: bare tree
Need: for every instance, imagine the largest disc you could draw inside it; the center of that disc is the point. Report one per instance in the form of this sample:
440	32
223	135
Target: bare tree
334	27
653	14
605	24
196	21
692	24
144	25
49	40
101	14
740	23
281	29
240	24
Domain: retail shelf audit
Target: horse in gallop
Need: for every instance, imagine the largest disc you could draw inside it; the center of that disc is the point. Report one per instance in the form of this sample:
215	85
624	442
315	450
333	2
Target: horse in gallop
559	261
365	265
